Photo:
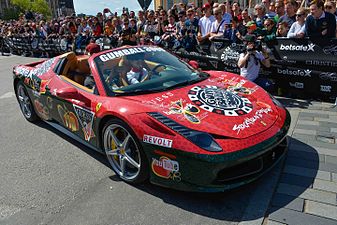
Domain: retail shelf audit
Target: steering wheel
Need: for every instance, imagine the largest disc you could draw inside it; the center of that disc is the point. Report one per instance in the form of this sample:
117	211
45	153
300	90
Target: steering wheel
154	70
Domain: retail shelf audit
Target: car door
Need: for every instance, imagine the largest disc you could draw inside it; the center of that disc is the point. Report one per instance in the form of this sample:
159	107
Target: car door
73	106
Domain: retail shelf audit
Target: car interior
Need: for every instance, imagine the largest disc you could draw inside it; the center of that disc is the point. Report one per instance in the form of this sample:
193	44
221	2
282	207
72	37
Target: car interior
74	69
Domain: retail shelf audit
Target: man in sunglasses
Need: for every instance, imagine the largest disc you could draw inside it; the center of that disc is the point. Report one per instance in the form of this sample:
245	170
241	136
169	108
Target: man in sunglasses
330	7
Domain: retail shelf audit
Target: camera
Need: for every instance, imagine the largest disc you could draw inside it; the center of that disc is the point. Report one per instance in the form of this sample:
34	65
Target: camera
250	48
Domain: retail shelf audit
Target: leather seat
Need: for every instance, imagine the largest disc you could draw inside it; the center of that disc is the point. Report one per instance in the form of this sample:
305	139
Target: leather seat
70	64
83	65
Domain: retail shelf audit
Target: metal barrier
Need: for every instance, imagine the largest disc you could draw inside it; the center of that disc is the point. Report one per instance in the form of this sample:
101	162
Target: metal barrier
53	46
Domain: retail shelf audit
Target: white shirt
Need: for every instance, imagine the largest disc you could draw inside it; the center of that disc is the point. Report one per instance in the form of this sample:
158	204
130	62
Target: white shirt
205	24
295	29
251	72
135	77
215	26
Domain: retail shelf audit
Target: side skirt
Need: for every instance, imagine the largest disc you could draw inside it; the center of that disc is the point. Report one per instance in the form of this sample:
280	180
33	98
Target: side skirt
72	135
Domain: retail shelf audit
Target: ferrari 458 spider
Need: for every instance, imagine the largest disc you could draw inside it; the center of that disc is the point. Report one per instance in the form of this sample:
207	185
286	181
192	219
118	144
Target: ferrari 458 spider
157	117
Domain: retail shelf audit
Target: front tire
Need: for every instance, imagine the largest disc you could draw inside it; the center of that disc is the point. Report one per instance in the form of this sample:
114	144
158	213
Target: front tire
25	103
124	152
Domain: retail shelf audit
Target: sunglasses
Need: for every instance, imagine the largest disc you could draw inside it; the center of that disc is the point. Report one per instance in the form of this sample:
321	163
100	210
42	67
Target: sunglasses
299	15
328	7
268	25
258	8
216	13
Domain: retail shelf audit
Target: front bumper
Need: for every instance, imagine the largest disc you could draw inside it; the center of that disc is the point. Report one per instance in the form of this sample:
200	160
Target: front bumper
217	173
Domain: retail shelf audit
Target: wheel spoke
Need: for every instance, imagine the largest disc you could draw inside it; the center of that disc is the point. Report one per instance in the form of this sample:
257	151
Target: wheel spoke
26	100
122	164
26	108
126	141
113	152
114	138
21	98
131	161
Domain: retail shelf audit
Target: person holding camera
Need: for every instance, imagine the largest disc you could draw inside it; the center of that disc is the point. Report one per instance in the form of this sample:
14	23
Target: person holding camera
250	61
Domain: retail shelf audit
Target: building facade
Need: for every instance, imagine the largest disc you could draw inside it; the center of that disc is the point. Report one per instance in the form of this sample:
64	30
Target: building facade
4	4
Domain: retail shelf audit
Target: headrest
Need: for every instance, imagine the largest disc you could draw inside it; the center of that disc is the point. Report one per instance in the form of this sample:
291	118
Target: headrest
69	55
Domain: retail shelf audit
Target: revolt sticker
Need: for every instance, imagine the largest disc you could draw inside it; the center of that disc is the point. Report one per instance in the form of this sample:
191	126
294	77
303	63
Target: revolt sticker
157	141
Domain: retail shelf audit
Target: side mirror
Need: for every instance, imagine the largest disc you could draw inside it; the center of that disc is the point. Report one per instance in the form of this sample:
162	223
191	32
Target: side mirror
67	92
194	64
72	93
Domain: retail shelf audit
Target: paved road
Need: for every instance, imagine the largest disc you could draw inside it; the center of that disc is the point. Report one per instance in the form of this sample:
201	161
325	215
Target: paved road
47	178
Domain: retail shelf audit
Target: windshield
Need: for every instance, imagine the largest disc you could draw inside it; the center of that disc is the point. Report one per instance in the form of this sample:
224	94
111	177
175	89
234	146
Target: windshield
143	69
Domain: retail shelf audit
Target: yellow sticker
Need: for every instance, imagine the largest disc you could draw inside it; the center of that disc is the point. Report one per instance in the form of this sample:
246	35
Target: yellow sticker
98	106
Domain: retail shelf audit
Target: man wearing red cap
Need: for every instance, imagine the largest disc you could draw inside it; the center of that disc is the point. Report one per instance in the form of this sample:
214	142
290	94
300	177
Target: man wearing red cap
205	24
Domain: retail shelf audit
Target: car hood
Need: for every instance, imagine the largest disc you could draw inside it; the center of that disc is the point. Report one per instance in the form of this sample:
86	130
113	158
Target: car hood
225	105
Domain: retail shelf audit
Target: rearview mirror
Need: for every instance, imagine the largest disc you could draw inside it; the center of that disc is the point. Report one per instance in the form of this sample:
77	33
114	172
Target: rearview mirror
194	64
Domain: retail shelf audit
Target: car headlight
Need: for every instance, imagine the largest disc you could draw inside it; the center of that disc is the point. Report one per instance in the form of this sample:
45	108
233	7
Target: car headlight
204	141
201	139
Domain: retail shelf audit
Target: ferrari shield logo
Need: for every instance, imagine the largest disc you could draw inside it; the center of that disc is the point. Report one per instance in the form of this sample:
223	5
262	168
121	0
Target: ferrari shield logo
86	119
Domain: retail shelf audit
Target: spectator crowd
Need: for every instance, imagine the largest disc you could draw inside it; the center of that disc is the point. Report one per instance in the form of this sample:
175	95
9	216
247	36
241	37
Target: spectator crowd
186	23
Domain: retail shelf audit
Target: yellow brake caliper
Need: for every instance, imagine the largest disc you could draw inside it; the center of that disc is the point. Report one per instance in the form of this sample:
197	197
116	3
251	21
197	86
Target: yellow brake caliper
114	145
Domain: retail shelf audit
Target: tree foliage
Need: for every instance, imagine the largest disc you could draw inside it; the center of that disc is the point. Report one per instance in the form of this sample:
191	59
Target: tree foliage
22	4
38	6
42	7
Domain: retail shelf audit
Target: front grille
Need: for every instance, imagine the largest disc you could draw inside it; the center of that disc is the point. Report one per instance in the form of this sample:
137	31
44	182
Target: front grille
251	168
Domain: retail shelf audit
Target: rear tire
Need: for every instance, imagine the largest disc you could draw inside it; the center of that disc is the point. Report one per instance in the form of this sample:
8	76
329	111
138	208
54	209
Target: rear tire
124	152
25	103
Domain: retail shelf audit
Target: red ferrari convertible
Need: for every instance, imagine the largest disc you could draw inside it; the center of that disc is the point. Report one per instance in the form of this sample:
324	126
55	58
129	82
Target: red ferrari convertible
157	117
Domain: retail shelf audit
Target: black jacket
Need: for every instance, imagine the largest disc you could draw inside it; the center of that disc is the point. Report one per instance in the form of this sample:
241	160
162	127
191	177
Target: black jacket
314	27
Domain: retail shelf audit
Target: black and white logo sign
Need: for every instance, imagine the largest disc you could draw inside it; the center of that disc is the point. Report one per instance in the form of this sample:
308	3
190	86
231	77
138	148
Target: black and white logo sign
301	48
330	50
328	76
297	85
325	88
219	100
230	54
302	73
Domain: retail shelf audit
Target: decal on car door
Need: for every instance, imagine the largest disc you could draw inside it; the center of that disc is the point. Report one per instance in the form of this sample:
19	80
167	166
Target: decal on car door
86	119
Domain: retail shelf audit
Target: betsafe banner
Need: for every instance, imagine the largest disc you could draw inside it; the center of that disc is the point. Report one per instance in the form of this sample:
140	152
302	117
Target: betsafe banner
306	50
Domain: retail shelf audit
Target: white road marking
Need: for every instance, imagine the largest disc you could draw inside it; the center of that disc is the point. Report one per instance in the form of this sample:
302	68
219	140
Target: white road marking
7	95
